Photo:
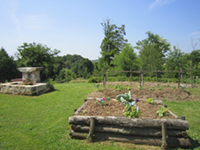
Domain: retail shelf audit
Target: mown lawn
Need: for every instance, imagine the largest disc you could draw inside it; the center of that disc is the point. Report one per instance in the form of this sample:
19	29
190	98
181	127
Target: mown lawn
41	122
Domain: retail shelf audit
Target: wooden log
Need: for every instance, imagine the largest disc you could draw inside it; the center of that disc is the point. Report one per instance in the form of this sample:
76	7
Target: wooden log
80	108
173	114
91	130
129	131
156	141
164	135
131	122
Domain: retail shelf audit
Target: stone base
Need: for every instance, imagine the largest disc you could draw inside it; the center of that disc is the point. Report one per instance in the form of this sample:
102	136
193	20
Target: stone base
17	88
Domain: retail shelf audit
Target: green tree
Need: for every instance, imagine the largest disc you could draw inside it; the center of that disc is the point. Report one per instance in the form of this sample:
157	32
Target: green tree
37	55
126	59
173	61
152	51
113	41
8	67
195	57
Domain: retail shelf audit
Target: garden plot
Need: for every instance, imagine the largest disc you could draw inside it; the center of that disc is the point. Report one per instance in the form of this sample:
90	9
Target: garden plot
97	122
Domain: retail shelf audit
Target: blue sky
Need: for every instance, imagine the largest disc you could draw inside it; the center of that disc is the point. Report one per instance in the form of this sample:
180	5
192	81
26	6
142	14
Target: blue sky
74	26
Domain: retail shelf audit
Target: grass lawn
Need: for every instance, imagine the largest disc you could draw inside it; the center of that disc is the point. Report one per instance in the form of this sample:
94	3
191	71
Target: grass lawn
41	122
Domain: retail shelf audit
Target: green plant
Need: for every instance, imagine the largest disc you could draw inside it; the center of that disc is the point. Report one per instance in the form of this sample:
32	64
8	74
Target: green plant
140	88
108	112
97	86
50	82
118	87
131	112
101	90
84	112
152	88
102	101
162	111
174	87
149	100
160	88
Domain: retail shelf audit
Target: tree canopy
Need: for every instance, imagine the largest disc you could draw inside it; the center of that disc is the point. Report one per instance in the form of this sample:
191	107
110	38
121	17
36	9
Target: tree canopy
113	41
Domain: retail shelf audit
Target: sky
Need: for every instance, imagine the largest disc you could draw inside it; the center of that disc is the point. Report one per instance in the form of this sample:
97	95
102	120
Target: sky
74	26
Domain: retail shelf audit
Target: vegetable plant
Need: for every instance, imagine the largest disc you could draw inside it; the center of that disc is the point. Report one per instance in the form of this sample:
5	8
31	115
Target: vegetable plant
131	112
149	100
163	111
102	101
140	88
160	88
152	88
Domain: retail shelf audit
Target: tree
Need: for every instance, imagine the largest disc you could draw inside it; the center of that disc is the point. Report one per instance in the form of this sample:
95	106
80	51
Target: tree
126	59
173	61
152	51
8	67
113	41
37	55
195	57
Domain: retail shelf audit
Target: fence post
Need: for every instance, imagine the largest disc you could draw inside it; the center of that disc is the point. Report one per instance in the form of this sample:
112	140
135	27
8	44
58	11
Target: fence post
191	76
179	77
140	75
104	77
130	74
181	74
156	77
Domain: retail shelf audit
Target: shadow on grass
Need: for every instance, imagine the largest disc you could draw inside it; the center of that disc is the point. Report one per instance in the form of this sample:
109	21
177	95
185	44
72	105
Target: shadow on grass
194	143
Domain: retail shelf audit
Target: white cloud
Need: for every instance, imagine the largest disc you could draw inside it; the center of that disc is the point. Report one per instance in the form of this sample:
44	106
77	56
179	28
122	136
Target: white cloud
195	33
159	3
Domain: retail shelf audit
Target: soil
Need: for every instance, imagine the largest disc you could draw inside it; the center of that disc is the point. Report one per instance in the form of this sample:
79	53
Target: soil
167	93
115	108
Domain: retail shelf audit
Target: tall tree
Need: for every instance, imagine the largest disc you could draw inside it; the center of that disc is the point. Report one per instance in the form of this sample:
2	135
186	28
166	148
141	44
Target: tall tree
195	57
173	61
126	59
8	67
37	55
152	51
113	41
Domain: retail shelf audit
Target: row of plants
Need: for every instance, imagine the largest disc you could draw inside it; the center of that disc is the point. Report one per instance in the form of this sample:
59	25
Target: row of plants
137	78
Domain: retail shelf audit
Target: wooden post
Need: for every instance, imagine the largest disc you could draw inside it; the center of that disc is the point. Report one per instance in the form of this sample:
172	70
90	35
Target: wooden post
164	135
104	77
191	76
130	74
140	75
181	74
91	131
142	78
179	77
156	77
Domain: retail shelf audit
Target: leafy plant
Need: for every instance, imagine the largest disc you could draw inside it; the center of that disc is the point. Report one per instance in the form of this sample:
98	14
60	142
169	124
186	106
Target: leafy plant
131	112
97	86
149	100
101	90
160	88
84	112
140	88
102	101
174	87
152	88
118	87
163	111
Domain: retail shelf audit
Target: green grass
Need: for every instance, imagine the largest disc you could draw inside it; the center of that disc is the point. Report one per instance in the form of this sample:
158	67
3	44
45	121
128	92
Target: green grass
41	122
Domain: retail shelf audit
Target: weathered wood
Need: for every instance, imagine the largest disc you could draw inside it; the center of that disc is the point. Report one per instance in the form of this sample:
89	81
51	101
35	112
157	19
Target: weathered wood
179	74
91	130
129	131
80	108
164	135
156	77
131	122
172	141
175	116
191	76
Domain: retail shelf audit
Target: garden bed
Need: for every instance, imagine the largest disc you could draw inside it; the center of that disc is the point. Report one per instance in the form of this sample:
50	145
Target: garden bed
95	122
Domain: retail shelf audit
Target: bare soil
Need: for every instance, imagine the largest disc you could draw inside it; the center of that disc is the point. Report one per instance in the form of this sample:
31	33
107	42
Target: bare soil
115	108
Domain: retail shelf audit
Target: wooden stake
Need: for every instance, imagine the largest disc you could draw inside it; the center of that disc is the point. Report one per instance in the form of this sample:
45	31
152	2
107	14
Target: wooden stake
91	131
164	135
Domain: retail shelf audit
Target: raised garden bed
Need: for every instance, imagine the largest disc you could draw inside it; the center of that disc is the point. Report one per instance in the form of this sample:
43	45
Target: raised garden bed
95	122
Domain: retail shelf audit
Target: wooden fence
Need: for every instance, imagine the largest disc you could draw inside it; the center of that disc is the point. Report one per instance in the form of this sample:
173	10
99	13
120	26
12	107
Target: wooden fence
180	77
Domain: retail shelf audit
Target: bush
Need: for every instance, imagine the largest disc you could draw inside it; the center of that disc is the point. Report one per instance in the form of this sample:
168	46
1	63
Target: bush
50	82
